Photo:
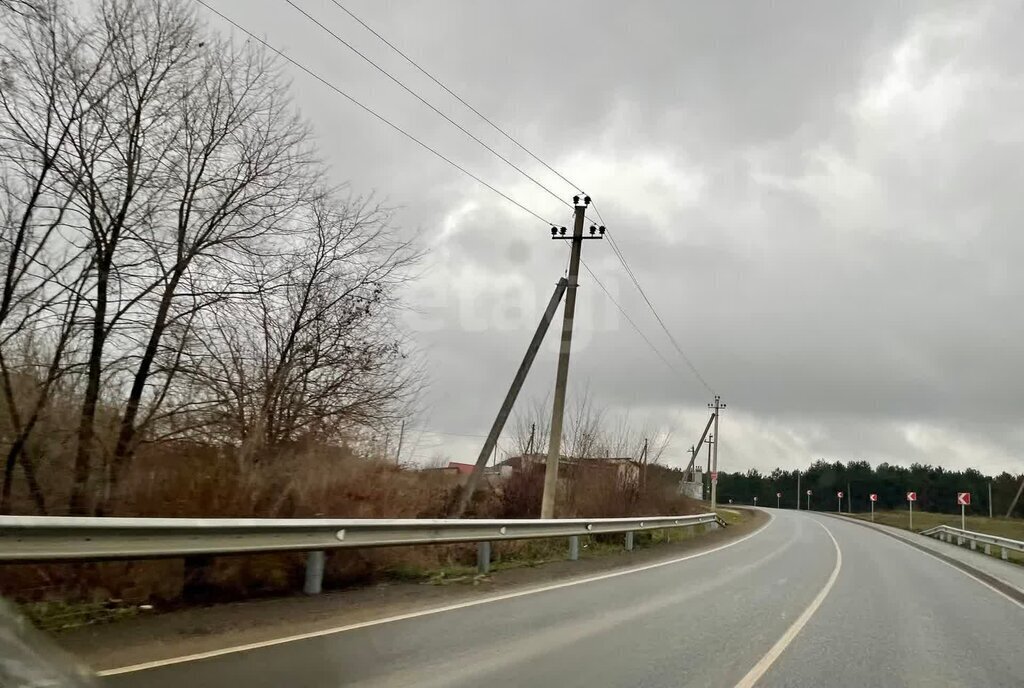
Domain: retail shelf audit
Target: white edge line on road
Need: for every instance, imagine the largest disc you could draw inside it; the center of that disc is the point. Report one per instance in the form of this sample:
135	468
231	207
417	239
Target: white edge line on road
905	538
425	612
791	633
972	576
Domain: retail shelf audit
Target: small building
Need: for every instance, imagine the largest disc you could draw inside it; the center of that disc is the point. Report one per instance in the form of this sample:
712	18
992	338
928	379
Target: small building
694	487
626	470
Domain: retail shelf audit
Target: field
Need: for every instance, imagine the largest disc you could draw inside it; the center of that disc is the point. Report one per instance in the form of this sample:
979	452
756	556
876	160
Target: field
923	520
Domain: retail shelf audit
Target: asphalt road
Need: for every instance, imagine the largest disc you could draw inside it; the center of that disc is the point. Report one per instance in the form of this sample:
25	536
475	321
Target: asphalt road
806	601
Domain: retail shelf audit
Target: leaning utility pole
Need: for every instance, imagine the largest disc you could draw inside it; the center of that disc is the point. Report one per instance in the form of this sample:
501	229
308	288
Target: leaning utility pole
1013	504
718	406
547	508
401	436
643	467
510	398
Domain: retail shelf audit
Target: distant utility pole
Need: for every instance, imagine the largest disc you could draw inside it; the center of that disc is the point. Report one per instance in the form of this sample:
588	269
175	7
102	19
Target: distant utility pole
990	499
798	490
401	436
849	500
529	444
710	441
717	406
547	507
643	467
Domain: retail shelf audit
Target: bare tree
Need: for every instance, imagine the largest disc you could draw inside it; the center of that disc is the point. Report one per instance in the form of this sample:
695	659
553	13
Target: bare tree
43	93
316	350
238	171
170	262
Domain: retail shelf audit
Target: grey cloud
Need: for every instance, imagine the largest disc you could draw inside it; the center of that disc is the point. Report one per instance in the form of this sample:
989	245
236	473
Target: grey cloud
833	241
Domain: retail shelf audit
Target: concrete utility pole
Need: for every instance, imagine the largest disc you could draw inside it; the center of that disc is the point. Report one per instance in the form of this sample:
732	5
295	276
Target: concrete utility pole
1013	504
798	490
700	443
710	441
717	406
990	499
401	436
547	507
643	467
849	500
510	398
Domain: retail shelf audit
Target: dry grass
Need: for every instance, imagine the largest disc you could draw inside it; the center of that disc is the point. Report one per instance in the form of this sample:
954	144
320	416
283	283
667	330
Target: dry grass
312	482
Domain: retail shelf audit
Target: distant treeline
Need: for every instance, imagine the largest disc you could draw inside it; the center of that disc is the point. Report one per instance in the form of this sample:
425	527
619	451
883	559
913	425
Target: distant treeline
936	487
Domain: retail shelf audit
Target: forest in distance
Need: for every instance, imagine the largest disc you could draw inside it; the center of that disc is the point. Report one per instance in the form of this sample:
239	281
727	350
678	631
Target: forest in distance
936	487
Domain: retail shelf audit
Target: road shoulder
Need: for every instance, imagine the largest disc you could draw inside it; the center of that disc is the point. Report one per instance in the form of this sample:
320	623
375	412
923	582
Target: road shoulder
206	629
1004	577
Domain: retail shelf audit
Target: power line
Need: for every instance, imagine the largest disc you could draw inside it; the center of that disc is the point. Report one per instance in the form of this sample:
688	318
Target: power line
460	168
457	96
630	320
425	102
629	271
615	247
369	110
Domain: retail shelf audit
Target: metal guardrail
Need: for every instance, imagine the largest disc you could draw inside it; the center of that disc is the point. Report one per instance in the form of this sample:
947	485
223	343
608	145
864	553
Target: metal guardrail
70	538
951	534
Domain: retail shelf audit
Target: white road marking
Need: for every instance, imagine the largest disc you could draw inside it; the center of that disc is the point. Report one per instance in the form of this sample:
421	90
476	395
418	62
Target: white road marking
765	663
934	555
426	612
971	575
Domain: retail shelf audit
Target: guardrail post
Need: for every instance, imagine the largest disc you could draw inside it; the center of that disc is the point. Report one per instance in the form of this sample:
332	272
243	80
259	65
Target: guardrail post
483	557
574	547
1004	556
959	541
974	545
629	540
314	573
988	548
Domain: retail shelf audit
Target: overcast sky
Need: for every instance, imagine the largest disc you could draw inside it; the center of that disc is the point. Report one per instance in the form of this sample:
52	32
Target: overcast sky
822	199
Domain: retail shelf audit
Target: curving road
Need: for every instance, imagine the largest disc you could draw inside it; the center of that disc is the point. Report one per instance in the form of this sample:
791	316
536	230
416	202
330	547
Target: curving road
808	600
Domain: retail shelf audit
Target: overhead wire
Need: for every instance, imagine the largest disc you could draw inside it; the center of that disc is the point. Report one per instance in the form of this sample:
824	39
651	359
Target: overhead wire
423	100
616	250
614	245
632	276
370	110
622	310
456	96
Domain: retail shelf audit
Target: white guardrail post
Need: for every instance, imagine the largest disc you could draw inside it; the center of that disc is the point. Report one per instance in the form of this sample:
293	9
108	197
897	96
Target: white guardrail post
72	538
483	556
949	533
314	572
